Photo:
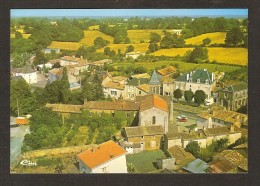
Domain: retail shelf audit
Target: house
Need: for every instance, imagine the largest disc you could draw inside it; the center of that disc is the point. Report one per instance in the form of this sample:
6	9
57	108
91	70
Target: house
28	74
149	137
181	157
113	90
49	50
131	88
133	55
72	60
199	79
177	31
234	158
100	64
107	157
218	117
54	74
131	147
233	97
196	166
167	86
154	111
221	166
142	90
203	137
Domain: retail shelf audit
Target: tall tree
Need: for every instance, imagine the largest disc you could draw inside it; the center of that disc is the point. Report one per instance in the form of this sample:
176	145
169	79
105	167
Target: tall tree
199	97
177	94
234	37
154	37
198	54
64	86
188	95
130	48
206	41
193	147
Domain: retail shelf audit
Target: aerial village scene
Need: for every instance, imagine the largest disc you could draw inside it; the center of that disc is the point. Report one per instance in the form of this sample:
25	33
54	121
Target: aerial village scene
128	91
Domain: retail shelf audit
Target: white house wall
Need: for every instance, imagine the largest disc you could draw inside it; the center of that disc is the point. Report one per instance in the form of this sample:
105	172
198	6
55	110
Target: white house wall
146	118
30	78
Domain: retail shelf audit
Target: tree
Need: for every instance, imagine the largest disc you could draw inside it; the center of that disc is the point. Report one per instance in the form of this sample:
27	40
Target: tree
64	86
127	40
130	48
39	58
154	37
177	94
107	51
18	35
206	41
234	37
198	54
199	97
245	40
99	42
193	147
188	95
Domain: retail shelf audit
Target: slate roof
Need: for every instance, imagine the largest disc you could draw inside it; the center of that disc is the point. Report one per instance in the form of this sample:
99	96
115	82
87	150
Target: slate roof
64	108
237	87
101	154
221	166
144	131
153	100
112	105
155	78
196	166
180	154
167	70
135	81
200	74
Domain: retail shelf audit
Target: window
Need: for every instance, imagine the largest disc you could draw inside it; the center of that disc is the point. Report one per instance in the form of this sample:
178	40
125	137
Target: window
207	81
113	92
140	92
198	80
104	169
154	119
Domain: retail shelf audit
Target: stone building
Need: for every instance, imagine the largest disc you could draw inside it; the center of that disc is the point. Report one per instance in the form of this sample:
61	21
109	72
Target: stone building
149	137
233	97
154	111
200	79
132	88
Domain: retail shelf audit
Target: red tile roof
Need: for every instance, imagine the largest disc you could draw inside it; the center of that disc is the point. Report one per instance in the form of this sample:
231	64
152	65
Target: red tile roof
153	100
101	154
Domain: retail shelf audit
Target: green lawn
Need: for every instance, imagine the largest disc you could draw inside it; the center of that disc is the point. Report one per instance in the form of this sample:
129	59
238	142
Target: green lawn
144	161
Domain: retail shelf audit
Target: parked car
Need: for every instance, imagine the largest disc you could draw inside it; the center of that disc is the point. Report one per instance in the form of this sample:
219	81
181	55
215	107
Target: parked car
182	118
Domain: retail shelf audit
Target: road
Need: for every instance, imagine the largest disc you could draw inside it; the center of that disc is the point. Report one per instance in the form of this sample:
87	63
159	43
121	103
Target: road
17	136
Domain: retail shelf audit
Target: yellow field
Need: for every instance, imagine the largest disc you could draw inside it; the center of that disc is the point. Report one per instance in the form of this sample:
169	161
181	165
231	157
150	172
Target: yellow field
229	55
172	51
26	36
136	36
65	45
216	37
183	66
223	55
95	27
139	47
91	35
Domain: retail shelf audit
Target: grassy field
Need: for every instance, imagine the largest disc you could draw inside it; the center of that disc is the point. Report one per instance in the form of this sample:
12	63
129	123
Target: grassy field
143	161
216	37
65	45
136	36
183	66
140	47
223	55
91	35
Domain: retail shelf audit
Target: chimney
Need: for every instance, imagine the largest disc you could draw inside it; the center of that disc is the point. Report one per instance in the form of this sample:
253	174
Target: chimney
212	77
81	57
187	76
139	82
93	149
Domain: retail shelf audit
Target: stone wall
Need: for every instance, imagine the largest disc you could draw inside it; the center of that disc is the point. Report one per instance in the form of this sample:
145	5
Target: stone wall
168	163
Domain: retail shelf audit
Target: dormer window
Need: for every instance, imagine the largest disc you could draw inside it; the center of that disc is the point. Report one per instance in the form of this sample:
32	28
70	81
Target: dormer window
207	81
189	80
198	80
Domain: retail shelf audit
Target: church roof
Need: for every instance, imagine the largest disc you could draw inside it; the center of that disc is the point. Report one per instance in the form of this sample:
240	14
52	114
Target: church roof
155	79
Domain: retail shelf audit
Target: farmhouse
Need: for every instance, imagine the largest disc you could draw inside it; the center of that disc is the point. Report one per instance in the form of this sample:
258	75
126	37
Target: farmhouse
233	97
200	79
133	55
107	157
149	137
28	74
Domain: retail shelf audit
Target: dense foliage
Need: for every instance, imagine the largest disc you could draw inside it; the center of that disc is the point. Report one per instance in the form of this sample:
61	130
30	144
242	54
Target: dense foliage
199	97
